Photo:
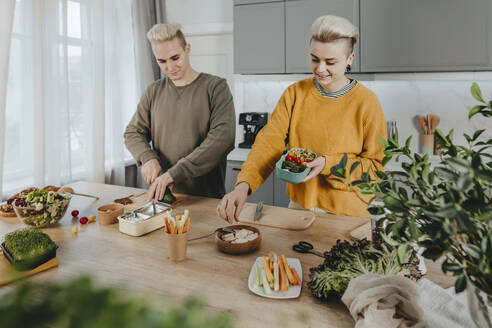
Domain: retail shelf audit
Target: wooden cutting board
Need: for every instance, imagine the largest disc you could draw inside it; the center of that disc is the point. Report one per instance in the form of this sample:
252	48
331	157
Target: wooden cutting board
8	274
277	217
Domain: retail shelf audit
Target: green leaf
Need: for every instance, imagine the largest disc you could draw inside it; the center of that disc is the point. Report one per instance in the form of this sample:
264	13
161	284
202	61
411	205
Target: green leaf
477	134
450	267
432	253
386	159
354	166
343	162
476	92
402	251
475	110
472	250
383	142
389	241
393	204
464	182
460	284
414	202
414	230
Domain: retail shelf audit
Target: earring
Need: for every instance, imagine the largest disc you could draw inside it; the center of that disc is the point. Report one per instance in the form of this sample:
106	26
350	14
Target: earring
348	69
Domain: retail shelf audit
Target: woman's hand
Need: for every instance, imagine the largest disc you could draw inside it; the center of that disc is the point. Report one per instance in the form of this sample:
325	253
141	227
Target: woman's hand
151	170
232	204
317	166
158	187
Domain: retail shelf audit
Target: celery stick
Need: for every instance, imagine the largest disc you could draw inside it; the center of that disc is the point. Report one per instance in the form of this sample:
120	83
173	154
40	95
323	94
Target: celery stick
275	276
258	274
256	282
266	286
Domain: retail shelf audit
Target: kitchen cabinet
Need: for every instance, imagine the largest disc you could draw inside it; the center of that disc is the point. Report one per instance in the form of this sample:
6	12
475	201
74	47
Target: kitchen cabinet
299	16
422	35
264	193
259	38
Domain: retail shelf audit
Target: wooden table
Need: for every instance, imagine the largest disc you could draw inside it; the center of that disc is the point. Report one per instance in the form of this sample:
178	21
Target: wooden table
141	263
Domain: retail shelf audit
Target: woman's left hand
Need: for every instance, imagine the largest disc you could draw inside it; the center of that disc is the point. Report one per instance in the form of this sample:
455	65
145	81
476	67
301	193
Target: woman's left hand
317	166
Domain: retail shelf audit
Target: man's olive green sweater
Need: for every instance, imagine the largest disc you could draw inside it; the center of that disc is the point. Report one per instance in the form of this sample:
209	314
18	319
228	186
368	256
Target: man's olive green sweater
191	128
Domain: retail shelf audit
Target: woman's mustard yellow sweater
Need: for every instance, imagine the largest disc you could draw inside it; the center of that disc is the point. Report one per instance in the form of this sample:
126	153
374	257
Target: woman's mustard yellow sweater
352	123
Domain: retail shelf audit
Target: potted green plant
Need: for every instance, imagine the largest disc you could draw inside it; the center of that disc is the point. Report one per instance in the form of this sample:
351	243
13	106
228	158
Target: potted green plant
444	209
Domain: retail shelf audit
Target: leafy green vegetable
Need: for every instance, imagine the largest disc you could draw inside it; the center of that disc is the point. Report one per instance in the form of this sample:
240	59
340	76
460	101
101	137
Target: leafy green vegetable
168	198
293	167
346	261
79	304
28	244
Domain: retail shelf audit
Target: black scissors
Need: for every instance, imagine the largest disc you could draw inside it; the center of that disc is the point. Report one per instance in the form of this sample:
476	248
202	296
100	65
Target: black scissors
305	247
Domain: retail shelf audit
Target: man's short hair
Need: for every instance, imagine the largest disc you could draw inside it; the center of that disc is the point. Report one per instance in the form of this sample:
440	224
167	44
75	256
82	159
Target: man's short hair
330	28
166	32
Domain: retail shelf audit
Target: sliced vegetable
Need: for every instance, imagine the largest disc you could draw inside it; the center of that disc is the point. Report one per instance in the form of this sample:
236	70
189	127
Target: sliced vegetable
266	268
256	282
296	275
291	278
187	225
266	285
276	284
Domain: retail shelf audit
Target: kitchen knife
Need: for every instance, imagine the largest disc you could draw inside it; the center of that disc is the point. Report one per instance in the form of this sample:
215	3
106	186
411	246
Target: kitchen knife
259	207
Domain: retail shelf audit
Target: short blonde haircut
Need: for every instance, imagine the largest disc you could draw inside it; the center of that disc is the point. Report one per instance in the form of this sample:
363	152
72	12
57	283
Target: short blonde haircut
166	32
330	28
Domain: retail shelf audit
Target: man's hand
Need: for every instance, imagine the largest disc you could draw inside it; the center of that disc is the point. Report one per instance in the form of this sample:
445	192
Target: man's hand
158	188
151	170
232	204
317	166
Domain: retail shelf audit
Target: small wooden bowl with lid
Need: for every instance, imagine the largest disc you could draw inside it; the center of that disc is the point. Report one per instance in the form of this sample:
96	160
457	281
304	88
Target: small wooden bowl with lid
108	214
238	248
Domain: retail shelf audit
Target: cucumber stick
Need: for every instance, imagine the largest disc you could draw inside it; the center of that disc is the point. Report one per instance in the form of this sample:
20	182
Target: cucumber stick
266	286
275	277
257	280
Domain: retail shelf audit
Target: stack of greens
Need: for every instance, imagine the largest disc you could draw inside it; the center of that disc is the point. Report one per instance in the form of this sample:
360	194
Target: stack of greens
346	261
28	247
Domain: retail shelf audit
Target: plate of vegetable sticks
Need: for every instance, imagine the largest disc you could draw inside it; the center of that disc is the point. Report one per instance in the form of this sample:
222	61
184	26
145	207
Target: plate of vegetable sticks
276	276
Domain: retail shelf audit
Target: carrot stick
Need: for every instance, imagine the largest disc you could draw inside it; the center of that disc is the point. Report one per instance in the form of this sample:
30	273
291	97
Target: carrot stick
270	259
282	278
292	280
296	275
186	226
178	217
180	229
172	227
268	273
167	225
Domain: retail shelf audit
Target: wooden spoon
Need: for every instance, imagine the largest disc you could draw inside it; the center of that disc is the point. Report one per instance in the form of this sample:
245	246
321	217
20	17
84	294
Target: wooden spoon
422	124
434	122
71	191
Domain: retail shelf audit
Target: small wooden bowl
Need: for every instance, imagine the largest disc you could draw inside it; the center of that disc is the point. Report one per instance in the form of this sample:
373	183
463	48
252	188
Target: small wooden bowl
242	248
108	214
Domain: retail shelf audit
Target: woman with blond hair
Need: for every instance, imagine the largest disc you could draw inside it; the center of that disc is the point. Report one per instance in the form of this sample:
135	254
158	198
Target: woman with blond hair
328	114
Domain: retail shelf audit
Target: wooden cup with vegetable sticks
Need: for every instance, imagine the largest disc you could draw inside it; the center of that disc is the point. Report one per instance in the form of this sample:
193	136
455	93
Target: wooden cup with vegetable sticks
177	235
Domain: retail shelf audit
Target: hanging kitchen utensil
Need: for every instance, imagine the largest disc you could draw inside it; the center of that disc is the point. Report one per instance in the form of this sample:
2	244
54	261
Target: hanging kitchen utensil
422	124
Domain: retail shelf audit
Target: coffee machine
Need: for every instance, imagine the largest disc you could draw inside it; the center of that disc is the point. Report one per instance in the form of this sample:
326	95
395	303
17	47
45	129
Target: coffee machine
252	123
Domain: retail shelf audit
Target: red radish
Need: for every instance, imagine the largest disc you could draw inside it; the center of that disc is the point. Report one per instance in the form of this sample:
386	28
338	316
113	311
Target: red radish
75	213
84	220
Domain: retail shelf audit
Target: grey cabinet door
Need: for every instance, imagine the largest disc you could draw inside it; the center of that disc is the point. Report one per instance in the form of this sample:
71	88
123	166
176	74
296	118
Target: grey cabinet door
264	193
259	45
246	2
426	35
299	16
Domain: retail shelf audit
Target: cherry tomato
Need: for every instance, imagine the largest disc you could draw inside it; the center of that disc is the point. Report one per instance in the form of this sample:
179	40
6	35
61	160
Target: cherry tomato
75	213
84	220
308	160
289	158
298	161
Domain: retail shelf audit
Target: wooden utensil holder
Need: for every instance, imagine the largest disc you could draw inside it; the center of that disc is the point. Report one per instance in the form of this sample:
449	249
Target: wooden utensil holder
428	144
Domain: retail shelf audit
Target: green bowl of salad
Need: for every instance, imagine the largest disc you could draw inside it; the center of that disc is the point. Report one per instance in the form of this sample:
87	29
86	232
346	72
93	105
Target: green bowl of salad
292	165
41	208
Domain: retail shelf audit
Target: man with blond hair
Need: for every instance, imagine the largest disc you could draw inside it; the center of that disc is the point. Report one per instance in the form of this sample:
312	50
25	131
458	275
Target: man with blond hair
189	118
